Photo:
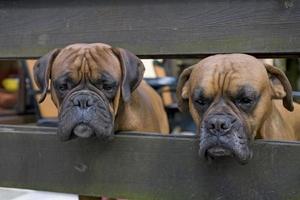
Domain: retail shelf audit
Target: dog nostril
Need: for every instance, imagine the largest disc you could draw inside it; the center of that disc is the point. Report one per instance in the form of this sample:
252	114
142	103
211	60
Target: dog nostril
83	102
224	126
76	102
89	102
218	125
212	126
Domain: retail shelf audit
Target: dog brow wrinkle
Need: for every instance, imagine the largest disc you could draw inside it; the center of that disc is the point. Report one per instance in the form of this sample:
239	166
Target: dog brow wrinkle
214	78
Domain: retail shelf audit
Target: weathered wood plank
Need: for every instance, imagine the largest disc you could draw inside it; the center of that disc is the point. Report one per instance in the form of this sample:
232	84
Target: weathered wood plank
152	28
144	167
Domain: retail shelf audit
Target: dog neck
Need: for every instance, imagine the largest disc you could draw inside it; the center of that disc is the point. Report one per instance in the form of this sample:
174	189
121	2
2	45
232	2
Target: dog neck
125	119
143	112
275	127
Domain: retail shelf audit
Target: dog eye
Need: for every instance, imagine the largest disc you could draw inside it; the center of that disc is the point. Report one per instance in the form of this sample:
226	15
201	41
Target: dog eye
108	87
245	101
202	102
63	87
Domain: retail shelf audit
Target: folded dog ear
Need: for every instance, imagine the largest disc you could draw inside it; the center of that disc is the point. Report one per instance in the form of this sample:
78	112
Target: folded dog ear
182	91
42	71
281	87
132	71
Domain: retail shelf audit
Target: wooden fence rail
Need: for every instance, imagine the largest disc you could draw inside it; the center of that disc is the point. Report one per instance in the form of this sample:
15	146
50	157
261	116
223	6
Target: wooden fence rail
167	28
144	167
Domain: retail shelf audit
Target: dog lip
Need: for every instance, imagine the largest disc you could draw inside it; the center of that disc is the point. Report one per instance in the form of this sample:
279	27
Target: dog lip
215	152
218	151
82	130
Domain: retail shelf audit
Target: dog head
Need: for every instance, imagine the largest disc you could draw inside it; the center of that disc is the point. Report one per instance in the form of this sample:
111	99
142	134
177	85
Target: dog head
88	84
229	97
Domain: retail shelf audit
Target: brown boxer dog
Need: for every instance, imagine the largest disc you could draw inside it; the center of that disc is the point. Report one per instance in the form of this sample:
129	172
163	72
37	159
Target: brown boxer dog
235	98
99	90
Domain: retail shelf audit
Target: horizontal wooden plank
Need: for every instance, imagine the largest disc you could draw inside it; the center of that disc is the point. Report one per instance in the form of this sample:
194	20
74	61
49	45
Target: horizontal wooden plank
152	28
296	95
144	167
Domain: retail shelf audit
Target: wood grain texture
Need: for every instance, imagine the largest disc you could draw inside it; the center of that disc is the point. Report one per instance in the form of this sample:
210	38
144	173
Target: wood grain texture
144	167
152	28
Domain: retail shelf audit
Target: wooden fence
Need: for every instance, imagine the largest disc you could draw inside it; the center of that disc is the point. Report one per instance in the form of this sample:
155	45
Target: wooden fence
139	166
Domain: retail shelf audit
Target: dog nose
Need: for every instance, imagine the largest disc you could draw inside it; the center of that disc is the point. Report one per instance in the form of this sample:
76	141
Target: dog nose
219	125
83	101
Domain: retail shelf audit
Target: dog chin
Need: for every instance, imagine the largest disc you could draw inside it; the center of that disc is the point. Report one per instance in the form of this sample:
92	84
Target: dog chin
86	130
216	152
83	130
214	148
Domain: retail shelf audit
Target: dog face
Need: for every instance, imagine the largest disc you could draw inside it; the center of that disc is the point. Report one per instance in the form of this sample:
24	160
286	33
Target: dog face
89	82
229	97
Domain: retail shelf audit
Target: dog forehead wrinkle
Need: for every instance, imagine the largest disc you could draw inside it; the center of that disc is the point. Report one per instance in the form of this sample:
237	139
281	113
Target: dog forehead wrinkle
102	60
230	75
64	61
223	71
212	79
202	78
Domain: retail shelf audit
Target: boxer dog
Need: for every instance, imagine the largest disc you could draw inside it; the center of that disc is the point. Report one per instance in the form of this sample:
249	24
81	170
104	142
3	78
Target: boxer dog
98	90
234	98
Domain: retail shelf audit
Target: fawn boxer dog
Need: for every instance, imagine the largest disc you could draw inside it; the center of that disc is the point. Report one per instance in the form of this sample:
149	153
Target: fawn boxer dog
234	98
98	90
